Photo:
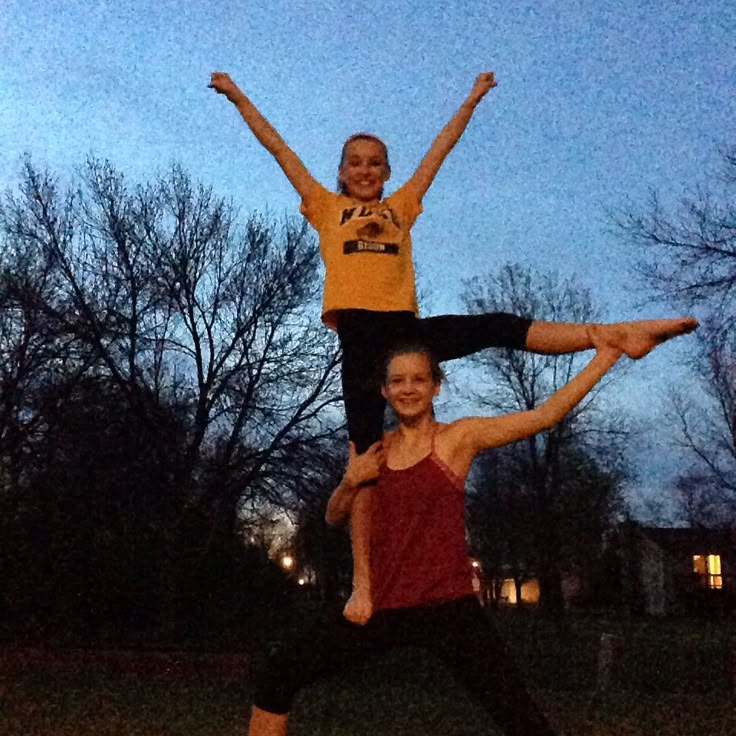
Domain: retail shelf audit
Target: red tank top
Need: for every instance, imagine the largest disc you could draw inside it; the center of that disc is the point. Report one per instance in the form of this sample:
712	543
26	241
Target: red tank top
418	551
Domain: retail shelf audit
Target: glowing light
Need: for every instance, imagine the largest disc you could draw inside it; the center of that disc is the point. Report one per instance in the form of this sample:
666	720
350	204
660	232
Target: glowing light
715	579
302	581
287	562
709	568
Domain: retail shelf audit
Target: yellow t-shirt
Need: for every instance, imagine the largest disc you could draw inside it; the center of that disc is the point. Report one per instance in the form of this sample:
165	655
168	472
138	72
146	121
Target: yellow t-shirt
366	250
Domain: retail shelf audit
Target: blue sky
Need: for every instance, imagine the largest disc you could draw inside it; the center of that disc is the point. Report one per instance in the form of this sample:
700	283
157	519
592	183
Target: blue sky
596	102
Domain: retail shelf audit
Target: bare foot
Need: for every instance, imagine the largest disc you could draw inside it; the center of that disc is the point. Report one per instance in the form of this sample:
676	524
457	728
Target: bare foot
359	607
638	338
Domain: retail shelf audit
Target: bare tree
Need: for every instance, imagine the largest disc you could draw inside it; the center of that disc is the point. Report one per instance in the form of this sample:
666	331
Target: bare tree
206	328
244	329
519	381
171	298
705	424
702	502
38	362
688	256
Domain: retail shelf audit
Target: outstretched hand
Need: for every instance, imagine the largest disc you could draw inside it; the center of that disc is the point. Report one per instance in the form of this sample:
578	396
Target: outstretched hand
483	83
223	85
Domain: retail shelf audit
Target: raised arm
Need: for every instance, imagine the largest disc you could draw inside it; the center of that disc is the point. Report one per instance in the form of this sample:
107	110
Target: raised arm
296	172
450	134
476	434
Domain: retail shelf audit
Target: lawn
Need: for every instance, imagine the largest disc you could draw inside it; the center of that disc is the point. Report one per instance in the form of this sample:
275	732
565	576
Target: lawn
668	680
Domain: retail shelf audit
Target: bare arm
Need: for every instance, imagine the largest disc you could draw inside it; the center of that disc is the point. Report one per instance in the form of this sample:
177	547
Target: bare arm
470	436
352	498
361	469
359	607
450	134
296	172
340	504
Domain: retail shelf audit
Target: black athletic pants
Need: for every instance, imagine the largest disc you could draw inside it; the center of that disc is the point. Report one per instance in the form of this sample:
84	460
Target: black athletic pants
458	632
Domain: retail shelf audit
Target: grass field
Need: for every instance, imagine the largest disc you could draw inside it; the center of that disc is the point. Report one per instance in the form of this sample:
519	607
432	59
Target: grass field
669	680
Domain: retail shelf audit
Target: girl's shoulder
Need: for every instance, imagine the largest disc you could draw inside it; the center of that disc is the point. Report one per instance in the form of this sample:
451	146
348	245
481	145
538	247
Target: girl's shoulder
448	448
407	192
446	430
406	200
317	201
442	428
451	436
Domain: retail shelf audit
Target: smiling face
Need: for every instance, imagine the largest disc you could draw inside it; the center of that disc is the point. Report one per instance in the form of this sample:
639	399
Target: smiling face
410	385
364	169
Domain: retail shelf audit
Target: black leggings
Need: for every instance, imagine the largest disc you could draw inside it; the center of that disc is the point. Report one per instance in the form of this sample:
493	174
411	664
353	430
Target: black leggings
458	632
367	338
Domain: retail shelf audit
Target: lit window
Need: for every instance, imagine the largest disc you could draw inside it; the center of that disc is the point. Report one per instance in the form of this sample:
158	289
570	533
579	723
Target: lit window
715	580
709	566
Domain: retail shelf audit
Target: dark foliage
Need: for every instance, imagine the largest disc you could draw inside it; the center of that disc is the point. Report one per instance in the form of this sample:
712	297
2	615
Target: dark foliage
163	377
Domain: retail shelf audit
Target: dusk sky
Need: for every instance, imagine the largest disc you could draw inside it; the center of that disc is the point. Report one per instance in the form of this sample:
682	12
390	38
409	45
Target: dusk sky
596	103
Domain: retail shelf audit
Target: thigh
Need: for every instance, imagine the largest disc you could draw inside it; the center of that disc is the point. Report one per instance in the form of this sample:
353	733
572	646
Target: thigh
366	338
364	411
453	336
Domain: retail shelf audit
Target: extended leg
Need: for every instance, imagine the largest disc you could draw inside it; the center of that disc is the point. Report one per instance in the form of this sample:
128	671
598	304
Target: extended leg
469	644
636	338
452	336
364	407
325	649
455	336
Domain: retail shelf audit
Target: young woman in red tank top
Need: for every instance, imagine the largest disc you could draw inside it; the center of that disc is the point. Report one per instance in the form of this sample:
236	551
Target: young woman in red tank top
422	593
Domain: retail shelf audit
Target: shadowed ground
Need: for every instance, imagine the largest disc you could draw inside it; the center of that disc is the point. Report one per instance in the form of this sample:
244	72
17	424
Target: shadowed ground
133	694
